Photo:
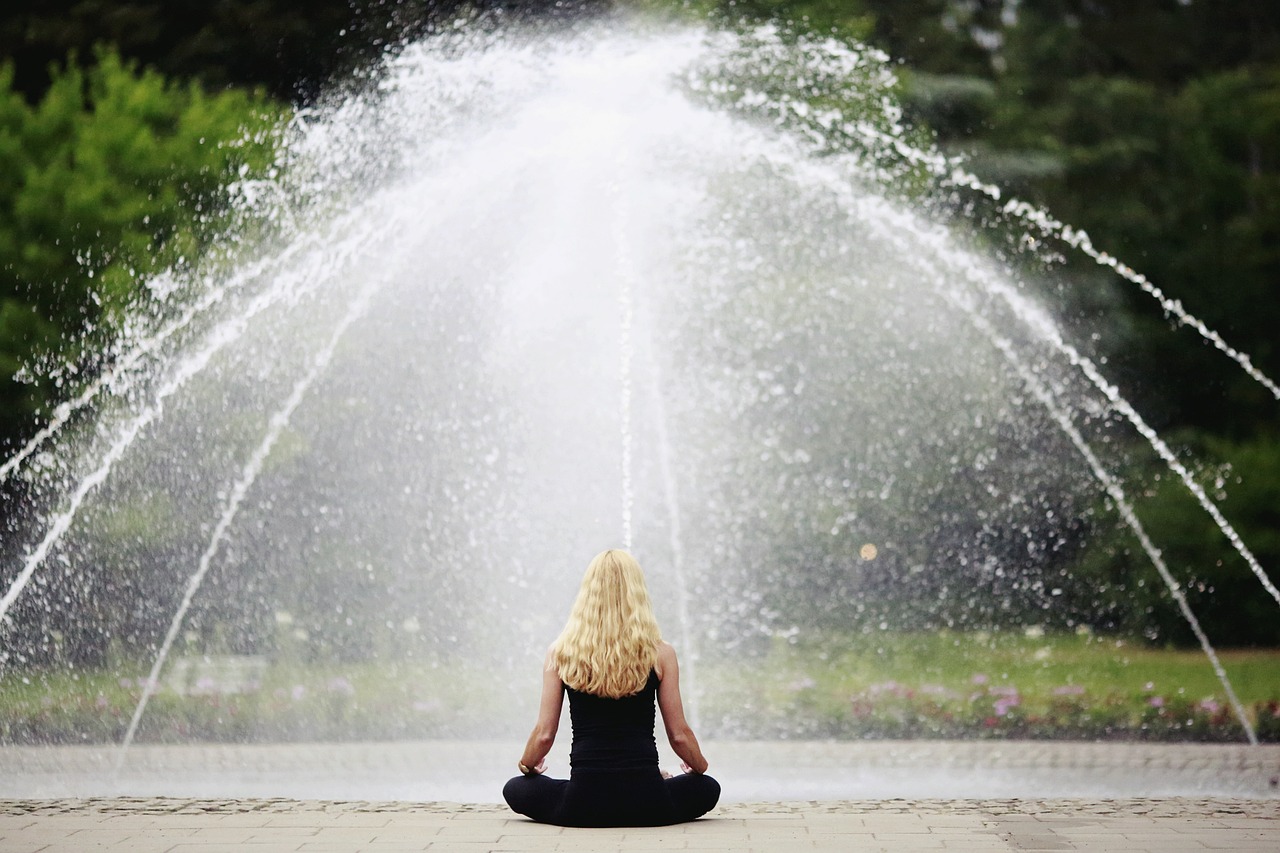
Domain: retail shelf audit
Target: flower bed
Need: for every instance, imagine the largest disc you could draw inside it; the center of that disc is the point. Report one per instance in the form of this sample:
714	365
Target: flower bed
891	710
1013	684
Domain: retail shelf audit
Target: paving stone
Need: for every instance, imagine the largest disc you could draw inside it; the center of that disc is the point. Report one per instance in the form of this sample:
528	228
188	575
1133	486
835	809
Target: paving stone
1031	826
914	841
950	842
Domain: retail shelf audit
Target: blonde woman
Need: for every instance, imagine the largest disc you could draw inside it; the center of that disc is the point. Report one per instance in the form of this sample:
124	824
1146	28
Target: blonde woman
612	662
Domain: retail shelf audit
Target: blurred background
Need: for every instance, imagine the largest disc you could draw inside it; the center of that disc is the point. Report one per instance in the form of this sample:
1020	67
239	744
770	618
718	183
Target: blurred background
133	136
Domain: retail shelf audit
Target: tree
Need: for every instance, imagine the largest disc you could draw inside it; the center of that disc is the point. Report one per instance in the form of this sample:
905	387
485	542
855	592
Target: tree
290	49
108	177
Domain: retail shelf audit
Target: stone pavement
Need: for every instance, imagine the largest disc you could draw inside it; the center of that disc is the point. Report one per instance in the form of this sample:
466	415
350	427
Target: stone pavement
201	826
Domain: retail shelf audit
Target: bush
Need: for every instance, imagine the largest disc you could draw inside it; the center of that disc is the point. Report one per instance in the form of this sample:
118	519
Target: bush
116	173
1266	717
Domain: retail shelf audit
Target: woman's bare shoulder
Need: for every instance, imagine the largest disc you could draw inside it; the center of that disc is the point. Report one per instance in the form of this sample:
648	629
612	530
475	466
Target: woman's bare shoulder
666	659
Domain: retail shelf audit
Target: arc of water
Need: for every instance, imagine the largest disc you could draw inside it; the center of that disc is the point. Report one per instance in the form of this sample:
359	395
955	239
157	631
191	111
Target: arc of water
671	496
884	219
231	506
951	173
626	317
1109	482
1125	508
225	334
1062	417
624	371
1051	335
1080	240
629	299
117	376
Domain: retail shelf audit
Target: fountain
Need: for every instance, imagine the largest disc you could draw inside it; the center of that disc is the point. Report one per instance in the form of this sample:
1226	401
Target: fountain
518	297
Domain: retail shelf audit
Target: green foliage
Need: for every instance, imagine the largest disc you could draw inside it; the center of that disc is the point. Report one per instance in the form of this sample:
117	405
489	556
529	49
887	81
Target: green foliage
271	43
843	18
1224	594
1222	591
290	49
1170	164
949	104
115	173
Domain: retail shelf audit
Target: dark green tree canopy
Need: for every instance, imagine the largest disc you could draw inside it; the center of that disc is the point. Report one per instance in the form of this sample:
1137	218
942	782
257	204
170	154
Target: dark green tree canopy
292	49
104	178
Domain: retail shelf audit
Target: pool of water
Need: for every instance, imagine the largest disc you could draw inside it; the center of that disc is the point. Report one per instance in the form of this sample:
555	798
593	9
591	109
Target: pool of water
474	771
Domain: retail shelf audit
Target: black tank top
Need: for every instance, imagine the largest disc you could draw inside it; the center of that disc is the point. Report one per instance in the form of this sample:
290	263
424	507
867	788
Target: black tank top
613	734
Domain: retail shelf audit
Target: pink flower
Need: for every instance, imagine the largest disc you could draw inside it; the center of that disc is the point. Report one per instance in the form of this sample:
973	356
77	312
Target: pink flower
1068	690
979	678
1156	701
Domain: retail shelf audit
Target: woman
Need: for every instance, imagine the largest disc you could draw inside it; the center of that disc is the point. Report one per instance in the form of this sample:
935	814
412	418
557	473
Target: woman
612	661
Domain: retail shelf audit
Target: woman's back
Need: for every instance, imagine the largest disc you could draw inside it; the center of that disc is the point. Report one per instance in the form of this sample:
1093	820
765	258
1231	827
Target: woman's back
613	734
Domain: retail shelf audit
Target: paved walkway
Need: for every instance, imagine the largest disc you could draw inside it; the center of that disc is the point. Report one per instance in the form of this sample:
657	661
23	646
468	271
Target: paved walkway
202	826
861	796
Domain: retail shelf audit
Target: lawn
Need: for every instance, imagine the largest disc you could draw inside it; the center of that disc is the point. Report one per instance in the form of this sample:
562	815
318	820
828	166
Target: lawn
879	685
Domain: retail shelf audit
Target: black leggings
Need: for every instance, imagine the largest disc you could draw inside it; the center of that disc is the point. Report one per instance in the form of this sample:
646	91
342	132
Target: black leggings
634	798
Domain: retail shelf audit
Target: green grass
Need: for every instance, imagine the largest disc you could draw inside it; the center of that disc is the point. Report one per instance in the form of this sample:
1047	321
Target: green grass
1034	664
292	702
869	685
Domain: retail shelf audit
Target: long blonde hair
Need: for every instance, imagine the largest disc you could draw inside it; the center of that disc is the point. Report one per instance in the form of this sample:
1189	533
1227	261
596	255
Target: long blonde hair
610	643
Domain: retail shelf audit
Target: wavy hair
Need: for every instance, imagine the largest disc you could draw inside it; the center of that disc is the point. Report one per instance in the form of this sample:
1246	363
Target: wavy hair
610	643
